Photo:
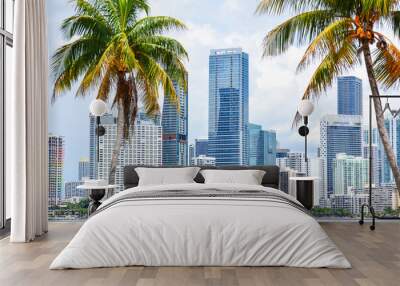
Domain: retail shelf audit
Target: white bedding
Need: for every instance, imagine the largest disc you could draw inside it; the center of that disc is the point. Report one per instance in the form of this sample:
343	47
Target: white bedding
200	232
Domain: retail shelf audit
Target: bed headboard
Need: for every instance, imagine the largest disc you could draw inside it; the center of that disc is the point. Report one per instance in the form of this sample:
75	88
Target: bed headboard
271	177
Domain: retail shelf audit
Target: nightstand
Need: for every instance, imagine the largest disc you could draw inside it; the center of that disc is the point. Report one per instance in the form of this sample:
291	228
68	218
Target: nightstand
96	194
305	190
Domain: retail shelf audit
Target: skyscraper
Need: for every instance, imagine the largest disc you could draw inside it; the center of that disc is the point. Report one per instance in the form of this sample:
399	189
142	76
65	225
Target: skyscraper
392	125
72	191
56	168
282	153
255	148
83	169
317	170
262	146
191	153
143	147
201	147
228	114
349	95
349	172
106	119
175	130
339	134
294	160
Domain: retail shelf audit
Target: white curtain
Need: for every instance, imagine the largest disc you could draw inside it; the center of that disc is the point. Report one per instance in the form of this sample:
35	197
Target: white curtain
26	129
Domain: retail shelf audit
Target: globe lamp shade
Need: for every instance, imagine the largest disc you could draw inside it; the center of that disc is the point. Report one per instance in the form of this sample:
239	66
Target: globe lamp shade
98	107
306	107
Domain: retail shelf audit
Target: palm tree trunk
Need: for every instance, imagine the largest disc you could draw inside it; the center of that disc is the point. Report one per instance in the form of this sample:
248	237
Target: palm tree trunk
118	142
380	121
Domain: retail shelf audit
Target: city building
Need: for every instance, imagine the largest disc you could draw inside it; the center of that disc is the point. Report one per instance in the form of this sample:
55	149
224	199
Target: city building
295	161
228	106
349	92
376	163
349	172
317	170
191	152
255	148
339	134
392	125
106	119
143	147
56	145
285	185
262	146
175	129
383	197
282	153
203	160
71	190
201	147
83	169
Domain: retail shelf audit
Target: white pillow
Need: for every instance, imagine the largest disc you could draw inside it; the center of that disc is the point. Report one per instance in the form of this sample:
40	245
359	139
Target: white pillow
166	176
248	177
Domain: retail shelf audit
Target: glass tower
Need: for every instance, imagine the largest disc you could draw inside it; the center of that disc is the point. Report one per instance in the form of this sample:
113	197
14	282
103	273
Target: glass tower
228	106
262	146
201	147
175	130
56	145
349	95
339	134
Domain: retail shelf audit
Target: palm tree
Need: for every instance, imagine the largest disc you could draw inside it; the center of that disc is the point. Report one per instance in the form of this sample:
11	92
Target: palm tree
338	33
115	48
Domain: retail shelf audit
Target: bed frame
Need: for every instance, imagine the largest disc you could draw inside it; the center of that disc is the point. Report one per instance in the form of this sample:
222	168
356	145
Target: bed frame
270	179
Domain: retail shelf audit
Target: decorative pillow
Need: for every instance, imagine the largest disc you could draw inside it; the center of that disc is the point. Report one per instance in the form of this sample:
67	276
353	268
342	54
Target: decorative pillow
248	177
166	176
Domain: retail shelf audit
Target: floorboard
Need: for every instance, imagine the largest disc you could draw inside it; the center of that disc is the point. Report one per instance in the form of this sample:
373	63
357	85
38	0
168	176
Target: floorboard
375	257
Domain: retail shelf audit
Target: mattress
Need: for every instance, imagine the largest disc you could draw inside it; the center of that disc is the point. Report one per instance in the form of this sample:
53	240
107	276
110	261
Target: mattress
201	225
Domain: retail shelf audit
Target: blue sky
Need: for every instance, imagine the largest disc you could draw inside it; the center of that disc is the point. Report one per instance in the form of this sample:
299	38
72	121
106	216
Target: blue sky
275	88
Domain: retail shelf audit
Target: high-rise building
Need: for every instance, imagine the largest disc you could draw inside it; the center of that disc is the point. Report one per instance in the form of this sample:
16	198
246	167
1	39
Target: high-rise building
317	170
228	115
285	184
376	163
339	134
377	155
191	153
255	146
175	129
56	168
295	161
392	125
282	153
203	160
143	147
83	169
262	146
106	119
349	172
349	95
201	147
71	190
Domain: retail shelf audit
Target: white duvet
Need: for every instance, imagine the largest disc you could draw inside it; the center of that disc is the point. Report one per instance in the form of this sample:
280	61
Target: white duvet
200	232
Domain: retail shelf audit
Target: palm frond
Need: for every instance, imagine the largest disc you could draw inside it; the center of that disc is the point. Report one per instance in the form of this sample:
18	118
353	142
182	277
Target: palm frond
298	30
335	63
332	37
387	66
155	25
278	7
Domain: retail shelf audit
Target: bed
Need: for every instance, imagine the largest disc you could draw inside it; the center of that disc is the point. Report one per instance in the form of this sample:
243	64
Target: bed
197	224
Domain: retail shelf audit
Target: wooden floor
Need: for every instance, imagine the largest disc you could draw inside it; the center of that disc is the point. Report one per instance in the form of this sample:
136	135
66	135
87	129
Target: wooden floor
375	257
